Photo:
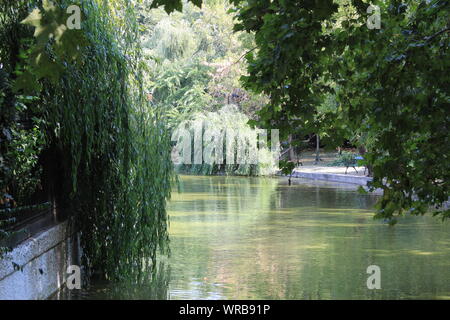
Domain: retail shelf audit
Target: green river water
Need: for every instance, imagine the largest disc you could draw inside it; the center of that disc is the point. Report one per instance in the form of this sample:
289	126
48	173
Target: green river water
259	238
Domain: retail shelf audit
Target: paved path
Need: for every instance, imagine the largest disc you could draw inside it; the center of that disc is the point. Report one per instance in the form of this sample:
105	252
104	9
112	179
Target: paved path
323	170
333	170
336	174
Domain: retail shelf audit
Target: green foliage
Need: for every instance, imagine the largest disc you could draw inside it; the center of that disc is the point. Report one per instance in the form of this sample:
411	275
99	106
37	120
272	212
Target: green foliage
405	107
346	159
330	123
215	128
181	92
389	85
195	61
112	146
287	167
23	153
49	22
172	5
21	147
21	138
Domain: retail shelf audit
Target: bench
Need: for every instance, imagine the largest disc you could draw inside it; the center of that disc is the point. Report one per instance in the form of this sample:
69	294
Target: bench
352	163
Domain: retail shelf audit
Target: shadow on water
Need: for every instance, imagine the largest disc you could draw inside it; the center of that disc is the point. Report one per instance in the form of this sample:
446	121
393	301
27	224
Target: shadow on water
153	286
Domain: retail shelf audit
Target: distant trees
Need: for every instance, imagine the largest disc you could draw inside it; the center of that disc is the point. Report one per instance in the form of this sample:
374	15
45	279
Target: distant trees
222	142
195	60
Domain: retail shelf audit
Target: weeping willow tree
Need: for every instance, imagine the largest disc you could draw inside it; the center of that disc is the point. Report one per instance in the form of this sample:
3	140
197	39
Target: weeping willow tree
172	39
196	60
111	147
222	143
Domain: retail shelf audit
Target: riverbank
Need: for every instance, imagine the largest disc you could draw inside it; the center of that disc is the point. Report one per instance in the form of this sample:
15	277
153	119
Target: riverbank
36	268
334	174
327	172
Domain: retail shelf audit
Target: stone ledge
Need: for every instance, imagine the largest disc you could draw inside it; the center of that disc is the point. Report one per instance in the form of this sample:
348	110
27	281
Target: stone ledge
32	248
43	260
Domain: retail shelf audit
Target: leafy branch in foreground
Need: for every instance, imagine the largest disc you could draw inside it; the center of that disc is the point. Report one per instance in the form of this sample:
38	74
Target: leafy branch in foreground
390	84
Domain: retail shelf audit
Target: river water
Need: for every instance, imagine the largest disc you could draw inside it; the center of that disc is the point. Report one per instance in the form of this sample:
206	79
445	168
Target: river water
259	238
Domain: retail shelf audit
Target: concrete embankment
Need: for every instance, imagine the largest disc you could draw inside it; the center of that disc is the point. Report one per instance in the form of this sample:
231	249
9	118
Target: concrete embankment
332	174
36	268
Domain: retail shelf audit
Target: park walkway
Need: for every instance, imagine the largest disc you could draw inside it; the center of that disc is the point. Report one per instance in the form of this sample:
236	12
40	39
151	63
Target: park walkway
324	171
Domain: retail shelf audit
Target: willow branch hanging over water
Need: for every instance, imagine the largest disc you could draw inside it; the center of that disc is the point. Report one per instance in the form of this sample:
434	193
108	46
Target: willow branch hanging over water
113	148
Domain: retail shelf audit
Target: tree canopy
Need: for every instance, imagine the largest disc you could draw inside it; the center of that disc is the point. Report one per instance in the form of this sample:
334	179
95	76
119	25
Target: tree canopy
391	84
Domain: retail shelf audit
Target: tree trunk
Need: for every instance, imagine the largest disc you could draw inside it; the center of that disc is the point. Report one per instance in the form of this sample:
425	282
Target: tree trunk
362	151
317	149
291	149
